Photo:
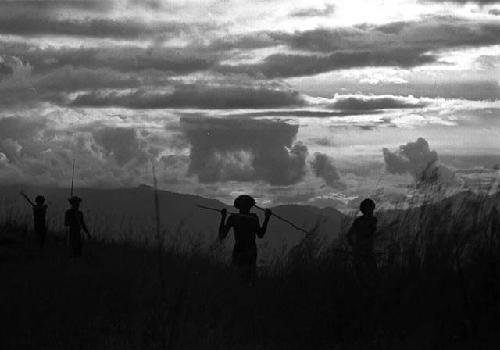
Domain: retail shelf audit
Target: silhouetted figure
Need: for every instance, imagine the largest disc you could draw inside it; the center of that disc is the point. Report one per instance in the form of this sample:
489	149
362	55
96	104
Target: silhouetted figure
75	222
39	212
361	237
245	226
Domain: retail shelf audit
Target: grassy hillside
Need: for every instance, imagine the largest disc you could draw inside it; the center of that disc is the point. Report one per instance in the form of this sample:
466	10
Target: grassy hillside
431	293
127	214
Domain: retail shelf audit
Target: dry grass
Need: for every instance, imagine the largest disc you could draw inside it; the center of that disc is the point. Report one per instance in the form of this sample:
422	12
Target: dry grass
438	287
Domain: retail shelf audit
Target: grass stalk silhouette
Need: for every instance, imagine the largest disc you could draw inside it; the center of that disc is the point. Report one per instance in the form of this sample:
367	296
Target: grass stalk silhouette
438	290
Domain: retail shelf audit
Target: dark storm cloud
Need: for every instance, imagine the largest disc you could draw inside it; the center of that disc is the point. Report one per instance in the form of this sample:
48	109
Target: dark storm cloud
403	44
84	19
17	128
435	33
323	167
375	102
53	6
428	34
27	25
432	33
305	113
400	44
5	69
122	58
121	143
417	159
24	87
196	96
322	141
314	12
282	66
68	78
244	150
246	41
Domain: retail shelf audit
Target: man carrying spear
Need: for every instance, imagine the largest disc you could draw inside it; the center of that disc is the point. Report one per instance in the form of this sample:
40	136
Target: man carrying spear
245	226
73	219
39	212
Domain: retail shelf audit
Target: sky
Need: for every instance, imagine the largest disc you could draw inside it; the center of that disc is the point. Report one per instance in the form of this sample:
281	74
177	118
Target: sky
311	102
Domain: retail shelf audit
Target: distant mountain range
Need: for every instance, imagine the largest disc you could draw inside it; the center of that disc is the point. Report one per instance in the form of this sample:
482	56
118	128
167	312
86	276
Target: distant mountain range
128	213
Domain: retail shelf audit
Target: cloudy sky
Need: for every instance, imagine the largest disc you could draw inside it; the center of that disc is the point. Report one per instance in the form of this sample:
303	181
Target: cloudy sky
314	102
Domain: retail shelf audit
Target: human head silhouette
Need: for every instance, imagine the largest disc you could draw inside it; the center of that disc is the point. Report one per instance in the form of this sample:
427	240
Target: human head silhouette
74	202
40	199
367	206
244	203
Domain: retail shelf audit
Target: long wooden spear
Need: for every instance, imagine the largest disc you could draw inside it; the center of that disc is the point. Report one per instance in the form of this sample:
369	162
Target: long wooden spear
72	180
284	220
212	209
256	206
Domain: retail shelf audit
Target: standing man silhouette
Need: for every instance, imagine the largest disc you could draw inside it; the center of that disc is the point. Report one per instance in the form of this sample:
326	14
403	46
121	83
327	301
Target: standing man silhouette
39	213
361	237
75	222
245	226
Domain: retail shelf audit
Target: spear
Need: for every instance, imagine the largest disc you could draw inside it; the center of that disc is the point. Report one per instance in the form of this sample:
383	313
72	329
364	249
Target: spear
72	179
273	214
212	209
284	220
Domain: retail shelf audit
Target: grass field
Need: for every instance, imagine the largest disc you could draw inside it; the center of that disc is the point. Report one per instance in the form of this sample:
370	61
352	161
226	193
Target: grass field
437	289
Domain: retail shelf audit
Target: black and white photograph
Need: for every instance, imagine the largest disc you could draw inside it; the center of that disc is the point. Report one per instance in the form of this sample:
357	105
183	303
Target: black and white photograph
249	174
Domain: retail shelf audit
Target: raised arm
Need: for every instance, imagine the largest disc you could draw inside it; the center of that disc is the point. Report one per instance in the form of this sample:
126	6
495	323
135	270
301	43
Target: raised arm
223	226
27	199
263	228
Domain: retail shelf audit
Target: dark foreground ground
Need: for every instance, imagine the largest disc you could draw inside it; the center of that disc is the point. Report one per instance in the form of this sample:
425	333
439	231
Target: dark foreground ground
117	297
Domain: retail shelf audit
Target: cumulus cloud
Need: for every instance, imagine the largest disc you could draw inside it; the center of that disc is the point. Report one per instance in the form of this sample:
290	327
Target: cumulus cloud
244	150
25	151
5	68
323	167
40	150
19	128
196	96
122	143
417	159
